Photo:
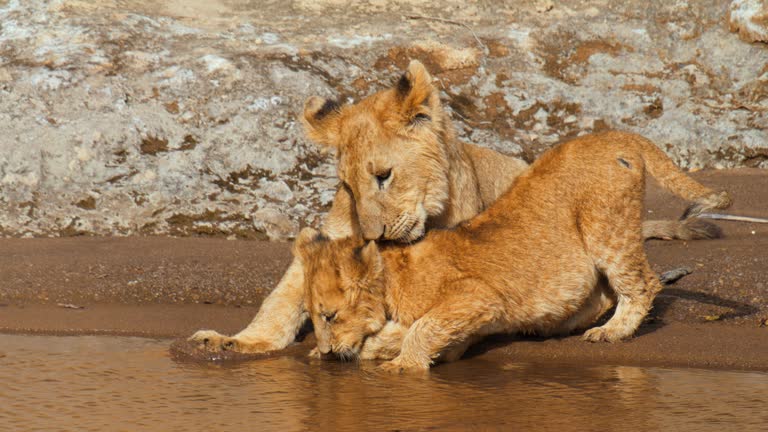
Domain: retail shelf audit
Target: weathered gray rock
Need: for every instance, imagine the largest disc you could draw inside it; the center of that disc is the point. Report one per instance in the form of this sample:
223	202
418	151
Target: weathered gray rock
749	18
275	224
181	117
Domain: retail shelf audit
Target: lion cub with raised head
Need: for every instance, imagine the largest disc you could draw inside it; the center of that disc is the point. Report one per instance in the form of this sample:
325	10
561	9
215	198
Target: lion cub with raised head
531	263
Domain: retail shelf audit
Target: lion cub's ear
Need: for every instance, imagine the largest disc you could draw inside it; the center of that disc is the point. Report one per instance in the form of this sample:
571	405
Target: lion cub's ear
371	259
305	242
321	121
417	94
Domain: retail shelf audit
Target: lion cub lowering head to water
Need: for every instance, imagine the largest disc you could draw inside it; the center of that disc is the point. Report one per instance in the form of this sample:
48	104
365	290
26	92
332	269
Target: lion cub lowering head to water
533	262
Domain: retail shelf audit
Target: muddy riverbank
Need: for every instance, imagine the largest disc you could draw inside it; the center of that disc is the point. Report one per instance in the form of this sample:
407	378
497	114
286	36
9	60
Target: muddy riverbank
170	287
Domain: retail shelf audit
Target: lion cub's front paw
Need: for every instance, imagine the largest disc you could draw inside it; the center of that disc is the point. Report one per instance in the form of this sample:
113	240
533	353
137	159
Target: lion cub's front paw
390	367
209	340
398	367
602	334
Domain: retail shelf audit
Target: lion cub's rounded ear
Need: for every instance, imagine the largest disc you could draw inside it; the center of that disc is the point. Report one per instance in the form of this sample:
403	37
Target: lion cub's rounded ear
371	258
321	120
415	90
304	242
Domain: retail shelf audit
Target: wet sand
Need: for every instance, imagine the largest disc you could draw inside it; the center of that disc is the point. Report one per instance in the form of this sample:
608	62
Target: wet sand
169	287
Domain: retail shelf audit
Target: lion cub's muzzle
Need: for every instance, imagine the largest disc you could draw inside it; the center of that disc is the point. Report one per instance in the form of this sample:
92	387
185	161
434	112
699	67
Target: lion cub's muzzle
344	352
407	228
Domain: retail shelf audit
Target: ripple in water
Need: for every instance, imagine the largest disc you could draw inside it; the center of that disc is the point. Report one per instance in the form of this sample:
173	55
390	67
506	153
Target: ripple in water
94	383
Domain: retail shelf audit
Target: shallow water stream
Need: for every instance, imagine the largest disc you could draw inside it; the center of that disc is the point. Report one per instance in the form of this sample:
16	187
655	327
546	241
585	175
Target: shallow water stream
100	383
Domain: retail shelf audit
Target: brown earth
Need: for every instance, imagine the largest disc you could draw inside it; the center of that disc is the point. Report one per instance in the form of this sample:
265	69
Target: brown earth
170	287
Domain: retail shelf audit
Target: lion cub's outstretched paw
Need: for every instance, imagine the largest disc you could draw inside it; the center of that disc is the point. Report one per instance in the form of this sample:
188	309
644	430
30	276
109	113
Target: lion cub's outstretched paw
214	341
602	334
210	340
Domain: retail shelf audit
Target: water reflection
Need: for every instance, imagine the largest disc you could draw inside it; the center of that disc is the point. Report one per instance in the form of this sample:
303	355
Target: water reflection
99	383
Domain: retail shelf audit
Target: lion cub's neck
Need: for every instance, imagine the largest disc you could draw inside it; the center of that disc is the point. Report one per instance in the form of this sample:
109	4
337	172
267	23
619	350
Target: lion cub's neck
464	200
407	289
477	177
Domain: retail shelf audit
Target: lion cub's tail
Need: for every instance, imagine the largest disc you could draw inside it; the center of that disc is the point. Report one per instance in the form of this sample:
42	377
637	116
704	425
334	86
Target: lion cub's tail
672	179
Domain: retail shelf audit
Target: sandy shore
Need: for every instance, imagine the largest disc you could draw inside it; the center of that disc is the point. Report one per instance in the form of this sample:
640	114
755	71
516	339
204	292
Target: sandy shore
170	287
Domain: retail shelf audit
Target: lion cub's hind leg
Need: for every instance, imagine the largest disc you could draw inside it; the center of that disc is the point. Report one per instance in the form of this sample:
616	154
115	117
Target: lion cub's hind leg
616	246
636	286
613	238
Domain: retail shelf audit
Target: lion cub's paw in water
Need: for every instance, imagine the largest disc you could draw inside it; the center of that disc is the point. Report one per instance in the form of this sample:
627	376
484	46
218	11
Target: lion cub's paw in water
211	340
575	217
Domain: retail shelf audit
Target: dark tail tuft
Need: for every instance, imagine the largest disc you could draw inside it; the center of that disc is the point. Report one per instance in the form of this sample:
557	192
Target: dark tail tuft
717	200
698	229
687	229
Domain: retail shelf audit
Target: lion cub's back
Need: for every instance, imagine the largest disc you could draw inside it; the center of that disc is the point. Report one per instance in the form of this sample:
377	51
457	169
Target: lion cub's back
588	170
593	181
580	186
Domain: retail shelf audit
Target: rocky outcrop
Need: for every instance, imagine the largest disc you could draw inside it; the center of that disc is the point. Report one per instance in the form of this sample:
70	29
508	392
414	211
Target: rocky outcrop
181	117
749	18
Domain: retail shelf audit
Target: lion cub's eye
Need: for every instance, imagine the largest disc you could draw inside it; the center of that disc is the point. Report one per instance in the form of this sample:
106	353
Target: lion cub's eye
328	317
420	117
382	177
